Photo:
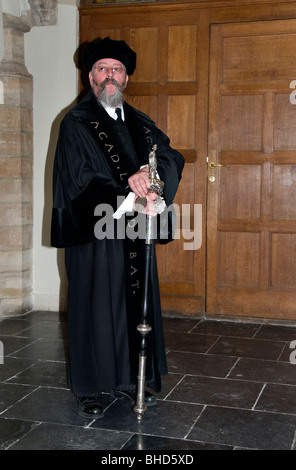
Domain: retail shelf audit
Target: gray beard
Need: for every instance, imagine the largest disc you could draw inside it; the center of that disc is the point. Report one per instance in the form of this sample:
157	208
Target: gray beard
114	100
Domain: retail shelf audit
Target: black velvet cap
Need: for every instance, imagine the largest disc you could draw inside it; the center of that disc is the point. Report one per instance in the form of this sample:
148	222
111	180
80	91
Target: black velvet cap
110	49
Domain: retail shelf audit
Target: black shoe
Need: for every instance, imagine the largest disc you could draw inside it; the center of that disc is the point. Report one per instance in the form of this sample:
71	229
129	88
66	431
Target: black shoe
90	407
150	400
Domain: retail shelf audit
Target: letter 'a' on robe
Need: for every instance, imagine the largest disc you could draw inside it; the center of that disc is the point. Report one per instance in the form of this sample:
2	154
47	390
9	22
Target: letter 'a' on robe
92	164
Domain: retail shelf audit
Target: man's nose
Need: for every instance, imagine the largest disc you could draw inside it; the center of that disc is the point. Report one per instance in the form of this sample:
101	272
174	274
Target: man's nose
110	72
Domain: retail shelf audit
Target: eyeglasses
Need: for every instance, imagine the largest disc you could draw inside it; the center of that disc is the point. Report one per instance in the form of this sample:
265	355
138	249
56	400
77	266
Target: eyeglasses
104	69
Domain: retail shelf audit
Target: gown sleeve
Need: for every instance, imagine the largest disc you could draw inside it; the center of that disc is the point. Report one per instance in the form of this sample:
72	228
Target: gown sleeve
82	179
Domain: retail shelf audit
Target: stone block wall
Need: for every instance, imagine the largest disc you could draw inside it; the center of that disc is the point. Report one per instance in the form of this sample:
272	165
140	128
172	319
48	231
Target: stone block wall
16	172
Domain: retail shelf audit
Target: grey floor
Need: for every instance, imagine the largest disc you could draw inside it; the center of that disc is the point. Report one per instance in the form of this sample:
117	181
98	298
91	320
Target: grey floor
231	385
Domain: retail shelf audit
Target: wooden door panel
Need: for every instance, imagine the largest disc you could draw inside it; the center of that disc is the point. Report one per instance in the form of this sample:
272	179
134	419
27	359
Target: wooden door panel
147	69
241	122
284	180
181	61
182	133
262	56
284	124
251	215
283	266
147	104
238	259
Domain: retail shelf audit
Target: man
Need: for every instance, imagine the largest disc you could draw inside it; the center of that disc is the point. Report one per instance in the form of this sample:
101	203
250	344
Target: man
102	160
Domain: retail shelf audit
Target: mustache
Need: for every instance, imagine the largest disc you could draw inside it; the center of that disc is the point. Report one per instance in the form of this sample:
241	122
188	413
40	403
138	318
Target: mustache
110	80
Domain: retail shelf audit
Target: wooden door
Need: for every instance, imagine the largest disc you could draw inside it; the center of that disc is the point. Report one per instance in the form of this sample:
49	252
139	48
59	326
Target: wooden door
170	85
251	212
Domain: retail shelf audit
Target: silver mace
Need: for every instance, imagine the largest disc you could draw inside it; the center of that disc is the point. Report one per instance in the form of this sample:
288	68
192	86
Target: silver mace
156	185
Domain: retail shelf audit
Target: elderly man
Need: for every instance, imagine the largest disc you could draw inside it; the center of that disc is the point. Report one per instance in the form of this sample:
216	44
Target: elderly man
101	159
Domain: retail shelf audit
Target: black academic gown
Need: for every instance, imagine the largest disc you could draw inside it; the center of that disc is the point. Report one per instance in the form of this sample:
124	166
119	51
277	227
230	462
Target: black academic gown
92	164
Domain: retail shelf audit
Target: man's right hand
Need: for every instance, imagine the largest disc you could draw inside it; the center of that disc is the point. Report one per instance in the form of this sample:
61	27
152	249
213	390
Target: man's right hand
139	182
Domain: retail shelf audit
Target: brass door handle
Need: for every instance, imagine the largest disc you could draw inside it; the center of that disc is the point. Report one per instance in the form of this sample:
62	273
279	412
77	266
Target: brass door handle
214	165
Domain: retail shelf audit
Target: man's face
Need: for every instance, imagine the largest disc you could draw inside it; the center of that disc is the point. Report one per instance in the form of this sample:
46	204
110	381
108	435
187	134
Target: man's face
108	75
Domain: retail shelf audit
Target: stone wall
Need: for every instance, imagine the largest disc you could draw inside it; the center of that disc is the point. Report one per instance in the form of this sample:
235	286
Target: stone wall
16	172
16	160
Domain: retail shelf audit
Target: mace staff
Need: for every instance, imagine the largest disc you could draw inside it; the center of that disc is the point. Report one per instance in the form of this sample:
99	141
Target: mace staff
156	185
